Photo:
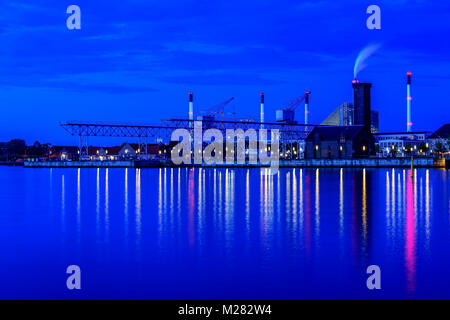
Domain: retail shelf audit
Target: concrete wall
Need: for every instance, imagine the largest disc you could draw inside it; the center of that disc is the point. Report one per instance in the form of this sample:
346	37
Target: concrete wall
422	162
323	149
314	163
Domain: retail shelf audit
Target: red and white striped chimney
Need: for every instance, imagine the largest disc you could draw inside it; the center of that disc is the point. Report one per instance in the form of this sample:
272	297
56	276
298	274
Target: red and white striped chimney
262	110
306	106
191	109
408	103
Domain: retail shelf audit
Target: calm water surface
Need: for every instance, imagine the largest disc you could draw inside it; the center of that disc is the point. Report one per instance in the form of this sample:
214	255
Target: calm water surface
218	233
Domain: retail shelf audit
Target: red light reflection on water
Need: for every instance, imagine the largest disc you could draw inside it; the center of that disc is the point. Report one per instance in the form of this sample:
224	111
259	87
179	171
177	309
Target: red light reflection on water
191	207
410	236
308	213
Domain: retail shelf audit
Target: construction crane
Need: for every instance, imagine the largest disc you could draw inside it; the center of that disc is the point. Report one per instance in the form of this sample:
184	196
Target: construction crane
287	112
218	109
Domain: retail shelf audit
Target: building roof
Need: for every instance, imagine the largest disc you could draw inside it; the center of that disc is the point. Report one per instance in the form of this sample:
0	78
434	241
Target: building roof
68	149
149	145
441	133
403	133
113	150
152	148
335	132
334	119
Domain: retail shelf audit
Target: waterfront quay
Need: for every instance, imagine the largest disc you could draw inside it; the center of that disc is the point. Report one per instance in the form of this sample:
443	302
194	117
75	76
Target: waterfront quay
305	163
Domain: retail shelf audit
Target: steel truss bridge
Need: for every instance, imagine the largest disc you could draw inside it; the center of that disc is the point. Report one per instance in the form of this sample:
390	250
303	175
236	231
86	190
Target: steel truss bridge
289	133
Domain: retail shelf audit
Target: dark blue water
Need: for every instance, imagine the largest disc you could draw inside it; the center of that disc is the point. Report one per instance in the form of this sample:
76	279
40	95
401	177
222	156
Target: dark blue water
224	234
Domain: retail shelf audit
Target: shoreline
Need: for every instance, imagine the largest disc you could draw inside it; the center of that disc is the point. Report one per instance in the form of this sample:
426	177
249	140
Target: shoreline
310	163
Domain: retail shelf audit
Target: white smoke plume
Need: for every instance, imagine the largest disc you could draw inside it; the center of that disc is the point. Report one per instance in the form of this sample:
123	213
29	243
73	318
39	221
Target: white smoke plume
362	56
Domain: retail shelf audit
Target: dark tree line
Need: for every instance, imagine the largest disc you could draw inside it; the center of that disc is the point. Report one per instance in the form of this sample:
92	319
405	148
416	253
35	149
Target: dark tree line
17	149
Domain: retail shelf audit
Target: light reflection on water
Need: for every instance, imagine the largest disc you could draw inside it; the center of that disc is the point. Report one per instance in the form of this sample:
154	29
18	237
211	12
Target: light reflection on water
300	220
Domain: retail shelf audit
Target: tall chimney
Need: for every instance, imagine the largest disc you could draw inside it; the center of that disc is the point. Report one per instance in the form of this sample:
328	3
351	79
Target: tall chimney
306	106
361	102
191	109
262	110
408	103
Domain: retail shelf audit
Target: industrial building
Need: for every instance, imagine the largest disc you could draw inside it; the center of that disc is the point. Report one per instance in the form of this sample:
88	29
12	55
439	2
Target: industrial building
344	116
374	121
440	139
341	116
350	131
340	142
347	130
399	144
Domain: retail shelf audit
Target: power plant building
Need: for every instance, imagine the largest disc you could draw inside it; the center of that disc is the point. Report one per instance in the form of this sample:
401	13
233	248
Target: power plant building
339	142
374	121
342	116
349	133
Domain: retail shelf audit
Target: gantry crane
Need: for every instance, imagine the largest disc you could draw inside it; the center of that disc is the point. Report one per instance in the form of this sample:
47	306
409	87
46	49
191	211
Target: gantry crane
218	109
287	112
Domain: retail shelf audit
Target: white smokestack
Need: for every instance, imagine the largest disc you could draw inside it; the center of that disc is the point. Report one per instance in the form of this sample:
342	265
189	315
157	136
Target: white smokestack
408	103
191	109
306	106
262	110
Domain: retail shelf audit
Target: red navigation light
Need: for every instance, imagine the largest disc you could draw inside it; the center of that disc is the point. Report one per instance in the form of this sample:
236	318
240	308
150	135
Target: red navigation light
355	81
409	73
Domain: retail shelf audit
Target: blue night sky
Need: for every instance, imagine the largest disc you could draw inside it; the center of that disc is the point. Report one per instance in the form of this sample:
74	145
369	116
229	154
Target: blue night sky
136	61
